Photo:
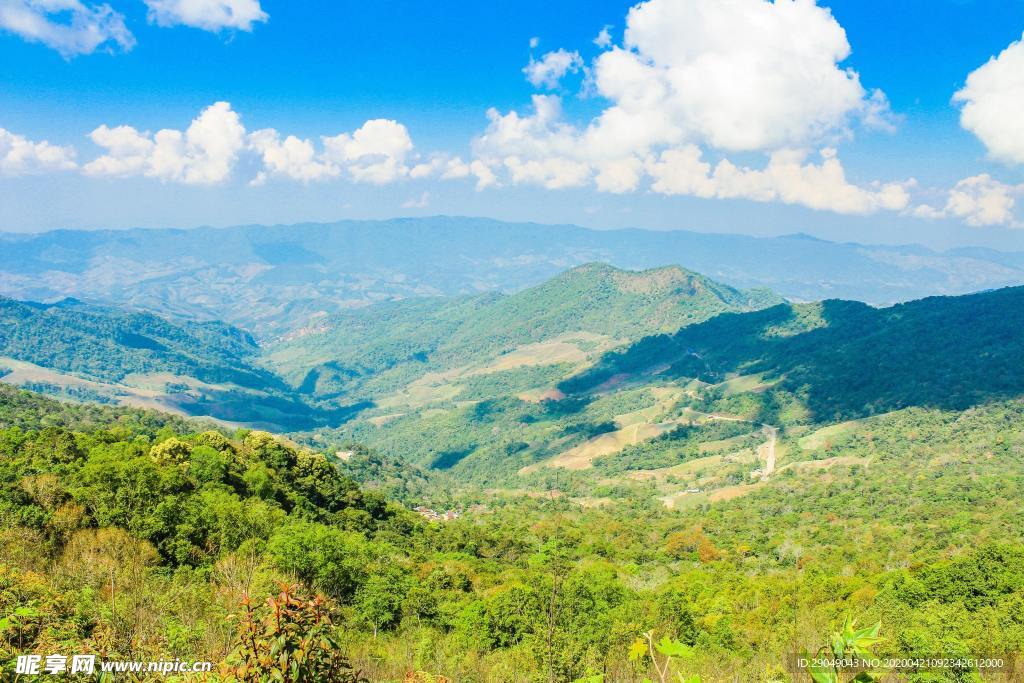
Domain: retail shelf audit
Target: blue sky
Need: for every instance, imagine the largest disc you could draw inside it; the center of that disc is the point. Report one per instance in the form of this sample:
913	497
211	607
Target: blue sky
911	169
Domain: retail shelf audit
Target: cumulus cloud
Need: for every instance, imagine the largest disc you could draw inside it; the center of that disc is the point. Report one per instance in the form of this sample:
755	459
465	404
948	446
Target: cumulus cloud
209	15
203	154
979	201
604	37
549	70
447	167
441	166
735	76
787	178
70	27
540	148
209	149
993	104
374	153
291	157
21	156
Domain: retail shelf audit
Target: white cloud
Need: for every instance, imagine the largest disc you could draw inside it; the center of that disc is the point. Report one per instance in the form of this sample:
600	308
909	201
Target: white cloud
421	202
441	166
554	173
604	37
549	70
787	178
993	104
292	157
535	135
619	175
70	27
534	42
485	175
21	156
736	75
877	114
378	152
205	153
374	153
541	149
454	168
979	200
209	15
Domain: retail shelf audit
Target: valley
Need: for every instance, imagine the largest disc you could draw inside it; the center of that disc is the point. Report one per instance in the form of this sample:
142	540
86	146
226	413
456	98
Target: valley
646	448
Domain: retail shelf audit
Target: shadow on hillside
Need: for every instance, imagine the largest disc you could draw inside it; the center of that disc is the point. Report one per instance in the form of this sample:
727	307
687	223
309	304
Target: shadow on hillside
446	460
845	359
276	412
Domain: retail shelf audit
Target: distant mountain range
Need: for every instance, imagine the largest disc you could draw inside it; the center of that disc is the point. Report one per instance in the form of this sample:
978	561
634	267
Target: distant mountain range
274	280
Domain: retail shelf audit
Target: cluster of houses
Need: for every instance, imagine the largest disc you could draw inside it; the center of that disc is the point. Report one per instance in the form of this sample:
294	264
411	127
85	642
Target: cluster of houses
435	516
449	515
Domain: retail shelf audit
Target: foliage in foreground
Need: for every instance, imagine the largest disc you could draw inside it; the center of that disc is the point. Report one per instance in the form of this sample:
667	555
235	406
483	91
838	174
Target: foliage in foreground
139	538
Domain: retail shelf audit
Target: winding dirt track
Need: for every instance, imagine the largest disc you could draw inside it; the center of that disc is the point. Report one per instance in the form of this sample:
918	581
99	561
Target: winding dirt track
766	451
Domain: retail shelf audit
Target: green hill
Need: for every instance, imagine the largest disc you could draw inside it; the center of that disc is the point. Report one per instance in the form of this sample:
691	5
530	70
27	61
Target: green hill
653	404
389	344
98	353
845	359
108	344
142	537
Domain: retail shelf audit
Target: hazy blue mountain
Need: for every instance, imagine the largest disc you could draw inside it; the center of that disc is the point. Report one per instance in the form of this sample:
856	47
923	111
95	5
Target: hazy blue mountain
271	280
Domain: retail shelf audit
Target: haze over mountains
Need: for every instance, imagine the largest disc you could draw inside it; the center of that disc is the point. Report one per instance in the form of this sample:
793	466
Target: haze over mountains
272	280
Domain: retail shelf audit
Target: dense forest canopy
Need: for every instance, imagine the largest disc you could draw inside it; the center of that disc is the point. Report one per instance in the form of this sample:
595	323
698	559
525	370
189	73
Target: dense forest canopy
137	535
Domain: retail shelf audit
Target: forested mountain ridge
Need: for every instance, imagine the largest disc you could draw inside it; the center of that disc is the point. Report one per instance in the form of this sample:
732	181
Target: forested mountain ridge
96	352
652	404
107	343
846	359
273	279
396	342
105	354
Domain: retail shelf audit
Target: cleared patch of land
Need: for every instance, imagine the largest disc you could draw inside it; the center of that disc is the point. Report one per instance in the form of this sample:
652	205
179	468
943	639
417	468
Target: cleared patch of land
821	438
826	463
743	383
573	348
582	456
